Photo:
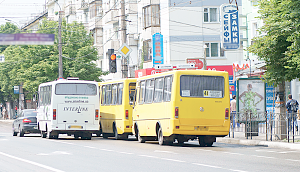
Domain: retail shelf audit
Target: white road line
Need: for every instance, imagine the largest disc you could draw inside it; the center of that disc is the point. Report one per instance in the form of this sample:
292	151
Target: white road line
233	153
172	160
264	157
107	150
31	162
275	151
293	160
212	166
149	156
89	147
125	153
170	152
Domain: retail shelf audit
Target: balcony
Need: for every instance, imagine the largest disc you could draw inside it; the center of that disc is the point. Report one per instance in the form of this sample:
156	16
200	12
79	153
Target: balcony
112	16
70	9
84	5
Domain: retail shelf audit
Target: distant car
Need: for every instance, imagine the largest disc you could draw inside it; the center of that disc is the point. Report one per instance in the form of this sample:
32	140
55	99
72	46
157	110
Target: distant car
26	123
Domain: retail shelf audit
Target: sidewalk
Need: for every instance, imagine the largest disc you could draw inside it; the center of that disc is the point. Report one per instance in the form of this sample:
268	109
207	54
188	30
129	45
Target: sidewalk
260	140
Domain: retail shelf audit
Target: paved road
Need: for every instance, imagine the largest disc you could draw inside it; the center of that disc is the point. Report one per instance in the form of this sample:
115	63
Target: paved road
33	153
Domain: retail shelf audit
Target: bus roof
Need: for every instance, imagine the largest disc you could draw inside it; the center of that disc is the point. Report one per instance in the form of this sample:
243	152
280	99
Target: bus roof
186	72
118	81
67	81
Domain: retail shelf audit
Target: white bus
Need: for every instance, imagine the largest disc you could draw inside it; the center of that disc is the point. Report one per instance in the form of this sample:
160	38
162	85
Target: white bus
68	106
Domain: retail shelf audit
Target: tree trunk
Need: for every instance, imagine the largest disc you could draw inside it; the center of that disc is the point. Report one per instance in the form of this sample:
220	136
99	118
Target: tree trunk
280	111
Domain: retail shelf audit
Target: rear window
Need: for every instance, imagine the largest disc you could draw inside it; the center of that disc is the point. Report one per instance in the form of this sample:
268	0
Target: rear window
202	86
30	113
75	89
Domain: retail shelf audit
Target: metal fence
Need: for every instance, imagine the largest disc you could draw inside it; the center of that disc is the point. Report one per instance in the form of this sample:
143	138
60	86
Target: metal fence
274	126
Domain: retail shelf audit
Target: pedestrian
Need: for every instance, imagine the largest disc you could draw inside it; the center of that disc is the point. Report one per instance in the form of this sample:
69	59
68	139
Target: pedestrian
292	108
4	113
233	110
16	112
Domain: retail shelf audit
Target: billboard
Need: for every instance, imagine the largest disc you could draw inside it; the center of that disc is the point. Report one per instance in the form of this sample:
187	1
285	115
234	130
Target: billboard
27	39
230	34
158	55
251	98
199	62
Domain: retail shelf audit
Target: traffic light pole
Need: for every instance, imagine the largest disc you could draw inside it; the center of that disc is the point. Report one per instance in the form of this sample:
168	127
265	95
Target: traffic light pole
123	37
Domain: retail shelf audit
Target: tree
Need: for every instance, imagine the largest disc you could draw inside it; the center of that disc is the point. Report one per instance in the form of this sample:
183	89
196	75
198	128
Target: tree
8	28
279	46
36	64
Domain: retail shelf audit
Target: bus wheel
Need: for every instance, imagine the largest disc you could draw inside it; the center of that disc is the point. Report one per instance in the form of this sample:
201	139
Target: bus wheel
140	138
117	136
105	135
43	134
161	140
180	141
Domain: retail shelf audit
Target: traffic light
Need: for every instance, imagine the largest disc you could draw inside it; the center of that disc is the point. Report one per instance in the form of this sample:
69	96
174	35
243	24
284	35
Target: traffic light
112	61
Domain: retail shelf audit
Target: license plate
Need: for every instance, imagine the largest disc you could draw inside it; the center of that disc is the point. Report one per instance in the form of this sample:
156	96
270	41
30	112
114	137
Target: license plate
212	93
76	126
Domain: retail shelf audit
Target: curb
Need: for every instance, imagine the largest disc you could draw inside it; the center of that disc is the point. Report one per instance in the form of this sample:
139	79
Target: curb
274	144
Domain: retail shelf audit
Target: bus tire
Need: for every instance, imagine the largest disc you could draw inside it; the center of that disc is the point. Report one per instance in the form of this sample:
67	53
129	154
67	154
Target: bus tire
140	138
43	134
117	136
160	137
105	135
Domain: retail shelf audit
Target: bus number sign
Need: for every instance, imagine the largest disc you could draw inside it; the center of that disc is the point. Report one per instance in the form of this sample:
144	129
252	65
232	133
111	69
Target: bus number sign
212	93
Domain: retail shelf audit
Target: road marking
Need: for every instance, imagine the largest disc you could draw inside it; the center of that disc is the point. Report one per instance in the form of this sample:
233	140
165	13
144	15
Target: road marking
172	160
31	162
264	157
90	147
170	152
233	153
212	166
275	151
55	153
125	153
293	160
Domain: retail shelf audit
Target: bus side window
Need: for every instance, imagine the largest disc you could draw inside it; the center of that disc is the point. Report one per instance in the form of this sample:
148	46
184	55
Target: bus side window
131	93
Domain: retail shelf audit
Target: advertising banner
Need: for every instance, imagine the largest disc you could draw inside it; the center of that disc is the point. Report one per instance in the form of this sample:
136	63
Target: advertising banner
27	39
158	55
230	34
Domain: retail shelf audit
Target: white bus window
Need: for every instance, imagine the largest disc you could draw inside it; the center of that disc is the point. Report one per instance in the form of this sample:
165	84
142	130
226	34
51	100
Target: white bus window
103	95
142	92
158	89
114	94
120	93
201	86
75	89
167	88
108	95
149	91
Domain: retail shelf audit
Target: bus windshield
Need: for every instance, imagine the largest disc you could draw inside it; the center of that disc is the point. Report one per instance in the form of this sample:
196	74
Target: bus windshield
202	86
75	89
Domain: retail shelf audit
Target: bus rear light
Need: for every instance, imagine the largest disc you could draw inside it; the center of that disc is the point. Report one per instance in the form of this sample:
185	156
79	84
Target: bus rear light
26	120
126	114
54	114
176	112
127	126
177	127
226	113
96	114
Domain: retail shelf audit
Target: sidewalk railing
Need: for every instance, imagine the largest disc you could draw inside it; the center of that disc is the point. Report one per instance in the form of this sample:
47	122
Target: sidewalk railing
274	126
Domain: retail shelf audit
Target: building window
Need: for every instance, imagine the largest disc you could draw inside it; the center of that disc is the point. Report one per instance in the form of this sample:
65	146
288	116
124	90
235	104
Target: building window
151	16
214	50
147	50
211	15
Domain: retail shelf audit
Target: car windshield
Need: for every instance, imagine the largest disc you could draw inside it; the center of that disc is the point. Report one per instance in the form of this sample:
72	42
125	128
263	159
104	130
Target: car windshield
30	113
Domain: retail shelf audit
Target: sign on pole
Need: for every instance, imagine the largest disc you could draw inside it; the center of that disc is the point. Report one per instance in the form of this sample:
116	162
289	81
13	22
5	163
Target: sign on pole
16	89
158	55
125	50
230	35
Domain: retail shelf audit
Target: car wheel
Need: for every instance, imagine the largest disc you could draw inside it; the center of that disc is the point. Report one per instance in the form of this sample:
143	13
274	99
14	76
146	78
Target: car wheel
14	133
21	132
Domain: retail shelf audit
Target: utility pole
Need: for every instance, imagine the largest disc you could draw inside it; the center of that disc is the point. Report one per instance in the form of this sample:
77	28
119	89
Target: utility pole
123	38
60	64
280	123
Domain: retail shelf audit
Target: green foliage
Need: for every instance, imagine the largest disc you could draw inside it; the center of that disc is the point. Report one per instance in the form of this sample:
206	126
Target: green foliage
280	45
8	28
36	64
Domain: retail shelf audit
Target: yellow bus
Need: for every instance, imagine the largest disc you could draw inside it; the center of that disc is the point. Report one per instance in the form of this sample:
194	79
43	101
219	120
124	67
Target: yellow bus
182	105
116	102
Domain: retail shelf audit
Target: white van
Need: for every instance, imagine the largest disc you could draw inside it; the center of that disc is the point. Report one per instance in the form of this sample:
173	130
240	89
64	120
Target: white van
68	106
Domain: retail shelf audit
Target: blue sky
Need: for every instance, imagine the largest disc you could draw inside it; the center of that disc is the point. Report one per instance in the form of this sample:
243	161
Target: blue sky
20	11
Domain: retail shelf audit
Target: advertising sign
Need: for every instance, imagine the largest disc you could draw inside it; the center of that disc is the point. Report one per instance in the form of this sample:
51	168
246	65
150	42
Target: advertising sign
270	98
227	68
27	39
230	35
199	62
251	98
158	56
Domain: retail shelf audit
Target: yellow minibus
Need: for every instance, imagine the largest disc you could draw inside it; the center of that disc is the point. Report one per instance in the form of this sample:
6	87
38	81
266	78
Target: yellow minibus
116	103
182	105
